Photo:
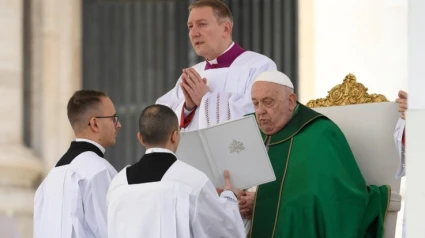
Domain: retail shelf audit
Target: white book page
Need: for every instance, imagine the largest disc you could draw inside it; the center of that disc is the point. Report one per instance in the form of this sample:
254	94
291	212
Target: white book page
191	151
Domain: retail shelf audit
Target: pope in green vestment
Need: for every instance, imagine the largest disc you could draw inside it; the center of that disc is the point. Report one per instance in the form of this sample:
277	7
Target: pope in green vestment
319	190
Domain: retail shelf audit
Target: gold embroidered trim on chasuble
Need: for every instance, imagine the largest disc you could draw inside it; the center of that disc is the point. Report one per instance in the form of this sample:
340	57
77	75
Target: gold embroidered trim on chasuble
281	186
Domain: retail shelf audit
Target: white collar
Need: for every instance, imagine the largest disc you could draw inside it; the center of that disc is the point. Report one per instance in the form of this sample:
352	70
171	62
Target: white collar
158	150
101	148
214	61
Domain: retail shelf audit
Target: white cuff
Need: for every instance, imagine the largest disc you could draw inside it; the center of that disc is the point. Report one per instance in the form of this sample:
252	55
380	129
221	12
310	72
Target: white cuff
186	112
229	195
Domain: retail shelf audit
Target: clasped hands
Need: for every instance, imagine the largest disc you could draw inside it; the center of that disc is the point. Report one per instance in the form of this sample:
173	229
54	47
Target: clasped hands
194	88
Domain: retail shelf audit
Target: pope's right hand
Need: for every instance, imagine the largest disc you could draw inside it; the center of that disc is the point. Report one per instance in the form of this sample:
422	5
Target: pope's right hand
246	205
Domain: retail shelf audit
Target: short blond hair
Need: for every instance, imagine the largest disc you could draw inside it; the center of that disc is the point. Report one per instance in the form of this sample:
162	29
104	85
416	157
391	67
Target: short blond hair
220	8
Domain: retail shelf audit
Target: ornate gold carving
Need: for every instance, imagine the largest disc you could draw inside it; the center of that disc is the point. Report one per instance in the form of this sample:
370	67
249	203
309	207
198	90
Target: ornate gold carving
349	92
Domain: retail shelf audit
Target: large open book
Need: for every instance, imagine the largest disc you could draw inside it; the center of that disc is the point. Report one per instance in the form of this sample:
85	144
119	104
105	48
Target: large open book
234	145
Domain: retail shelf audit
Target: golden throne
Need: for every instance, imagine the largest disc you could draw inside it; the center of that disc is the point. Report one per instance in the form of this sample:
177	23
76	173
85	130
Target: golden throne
368	122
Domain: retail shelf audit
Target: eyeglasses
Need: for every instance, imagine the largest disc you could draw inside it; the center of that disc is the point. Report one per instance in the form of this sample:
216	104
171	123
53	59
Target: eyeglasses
115	117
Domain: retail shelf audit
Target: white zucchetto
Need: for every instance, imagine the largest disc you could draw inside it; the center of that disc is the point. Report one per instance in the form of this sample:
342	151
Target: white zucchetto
275	77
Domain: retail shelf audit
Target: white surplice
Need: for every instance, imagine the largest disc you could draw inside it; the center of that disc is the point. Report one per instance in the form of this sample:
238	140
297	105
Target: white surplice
230	91
183	204
71	201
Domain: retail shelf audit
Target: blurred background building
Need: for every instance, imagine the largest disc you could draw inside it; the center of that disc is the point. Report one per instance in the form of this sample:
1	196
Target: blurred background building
134	50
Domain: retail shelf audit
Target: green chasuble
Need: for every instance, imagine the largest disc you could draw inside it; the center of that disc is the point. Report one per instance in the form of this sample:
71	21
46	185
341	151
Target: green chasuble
319	190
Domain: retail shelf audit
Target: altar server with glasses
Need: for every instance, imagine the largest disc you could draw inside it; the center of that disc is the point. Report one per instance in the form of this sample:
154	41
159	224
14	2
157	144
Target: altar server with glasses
71	201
